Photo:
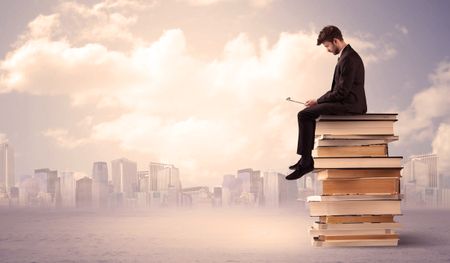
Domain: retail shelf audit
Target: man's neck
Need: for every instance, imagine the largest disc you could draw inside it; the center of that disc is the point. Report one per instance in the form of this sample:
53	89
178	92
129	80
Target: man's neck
342	48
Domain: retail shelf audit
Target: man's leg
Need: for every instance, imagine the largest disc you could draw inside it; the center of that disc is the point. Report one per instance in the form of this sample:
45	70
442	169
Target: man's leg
307	127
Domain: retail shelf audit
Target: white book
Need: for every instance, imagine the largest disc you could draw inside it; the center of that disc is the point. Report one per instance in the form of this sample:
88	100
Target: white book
388	138
372	207
318	198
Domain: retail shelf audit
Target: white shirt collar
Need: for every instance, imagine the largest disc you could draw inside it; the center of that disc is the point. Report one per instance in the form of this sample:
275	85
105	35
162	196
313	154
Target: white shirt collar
340	52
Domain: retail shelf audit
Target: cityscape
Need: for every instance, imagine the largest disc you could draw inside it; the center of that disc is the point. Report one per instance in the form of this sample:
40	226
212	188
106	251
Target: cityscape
120	184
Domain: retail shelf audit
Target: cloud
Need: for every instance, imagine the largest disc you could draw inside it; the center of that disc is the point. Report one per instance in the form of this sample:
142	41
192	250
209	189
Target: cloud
107	23
62	137
441	146
402	29
426	119
428	107
209	117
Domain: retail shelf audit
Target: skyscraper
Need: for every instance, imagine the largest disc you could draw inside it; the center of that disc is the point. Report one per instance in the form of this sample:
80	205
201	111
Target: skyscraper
252	186
164	176
83	192
421	181
144	181
47	182
272	181
278	191
67	184
7	175
100	184
124	177
231	189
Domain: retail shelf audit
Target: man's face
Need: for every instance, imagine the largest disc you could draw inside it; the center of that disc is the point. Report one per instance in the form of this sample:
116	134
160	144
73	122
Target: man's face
331	47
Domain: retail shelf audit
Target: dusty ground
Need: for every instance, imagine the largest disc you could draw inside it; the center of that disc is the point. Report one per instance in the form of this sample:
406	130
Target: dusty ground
244	235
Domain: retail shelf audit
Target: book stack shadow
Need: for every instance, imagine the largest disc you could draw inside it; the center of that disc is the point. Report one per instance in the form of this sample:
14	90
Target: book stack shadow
359	181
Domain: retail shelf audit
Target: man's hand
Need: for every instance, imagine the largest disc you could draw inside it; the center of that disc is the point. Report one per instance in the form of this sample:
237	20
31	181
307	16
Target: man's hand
310	103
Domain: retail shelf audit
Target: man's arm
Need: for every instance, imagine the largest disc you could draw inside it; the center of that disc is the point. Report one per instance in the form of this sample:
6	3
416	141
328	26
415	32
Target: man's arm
343	86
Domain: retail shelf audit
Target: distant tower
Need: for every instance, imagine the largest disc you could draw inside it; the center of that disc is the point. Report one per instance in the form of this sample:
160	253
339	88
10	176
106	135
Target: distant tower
47	182
124	176
83	192
100	184
278	191
67	184
7	177
230	189
272	182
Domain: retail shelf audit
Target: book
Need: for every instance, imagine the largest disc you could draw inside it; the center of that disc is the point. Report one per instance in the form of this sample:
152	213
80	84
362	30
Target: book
357	162
354	197
346	142
367	116
370	185
350	232
355	127
356	219
356	243
377	150
357	237
351	207
351	137
357	173
354	226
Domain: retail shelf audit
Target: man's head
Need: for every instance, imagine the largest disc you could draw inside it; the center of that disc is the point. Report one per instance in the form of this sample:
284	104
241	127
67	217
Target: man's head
331	38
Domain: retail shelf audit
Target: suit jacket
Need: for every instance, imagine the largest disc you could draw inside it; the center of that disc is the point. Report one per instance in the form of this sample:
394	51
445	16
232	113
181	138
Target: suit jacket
348	83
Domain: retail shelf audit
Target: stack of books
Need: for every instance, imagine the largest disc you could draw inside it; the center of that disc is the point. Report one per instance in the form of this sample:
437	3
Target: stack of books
360	182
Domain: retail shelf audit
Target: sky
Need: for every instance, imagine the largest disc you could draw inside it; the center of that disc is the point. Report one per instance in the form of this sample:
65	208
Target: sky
201	84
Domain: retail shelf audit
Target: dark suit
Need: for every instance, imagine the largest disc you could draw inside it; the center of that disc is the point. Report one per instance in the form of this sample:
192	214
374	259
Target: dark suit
346	97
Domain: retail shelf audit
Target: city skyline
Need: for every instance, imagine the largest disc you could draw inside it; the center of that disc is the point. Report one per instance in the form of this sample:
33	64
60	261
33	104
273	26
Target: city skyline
160	185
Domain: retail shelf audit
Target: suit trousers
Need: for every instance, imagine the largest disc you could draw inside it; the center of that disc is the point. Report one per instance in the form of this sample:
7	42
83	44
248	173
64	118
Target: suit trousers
307	123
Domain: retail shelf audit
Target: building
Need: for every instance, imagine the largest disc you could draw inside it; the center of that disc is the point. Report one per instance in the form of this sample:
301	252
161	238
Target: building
163	177
199	196
143	181
422	170
231	189
7	175
251	186
278	191
67	185
83	192
217	196
100	184
124	177
420	181
47	184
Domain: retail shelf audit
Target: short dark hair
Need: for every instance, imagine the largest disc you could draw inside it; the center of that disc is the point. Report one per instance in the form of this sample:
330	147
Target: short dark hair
329	33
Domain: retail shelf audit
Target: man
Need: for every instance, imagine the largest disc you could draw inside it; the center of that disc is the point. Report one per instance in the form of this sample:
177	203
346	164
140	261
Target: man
345	97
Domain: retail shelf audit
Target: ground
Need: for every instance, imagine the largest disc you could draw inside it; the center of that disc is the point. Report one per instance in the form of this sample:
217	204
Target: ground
198	235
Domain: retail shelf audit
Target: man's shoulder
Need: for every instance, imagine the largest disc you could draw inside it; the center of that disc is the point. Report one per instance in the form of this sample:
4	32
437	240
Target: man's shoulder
351	57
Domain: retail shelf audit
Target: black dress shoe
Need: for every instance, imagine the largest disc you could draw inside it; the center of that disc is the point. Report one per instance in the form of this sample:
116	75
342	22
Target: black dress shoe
295	166
300	171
